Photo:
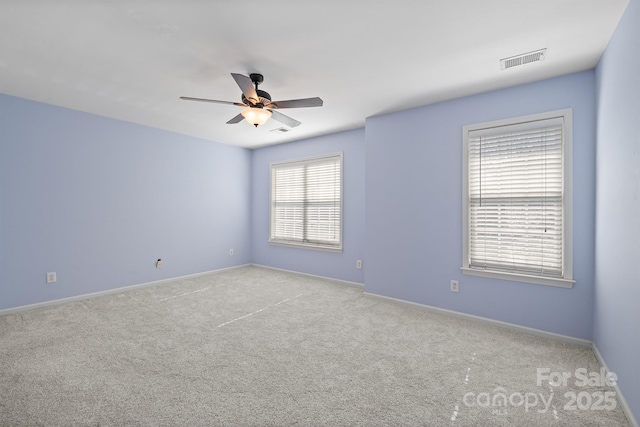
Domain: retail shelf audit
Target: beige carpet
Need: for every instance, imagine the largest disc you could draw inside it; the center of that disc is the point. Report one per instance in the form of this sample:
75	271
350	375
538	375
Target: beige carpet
258	347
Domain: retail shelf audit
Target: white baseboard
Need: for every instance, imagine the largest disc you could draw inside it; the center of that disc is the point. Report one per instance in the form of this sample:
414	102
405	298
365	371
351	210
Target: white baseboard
346	282
531	331
21	308
623	402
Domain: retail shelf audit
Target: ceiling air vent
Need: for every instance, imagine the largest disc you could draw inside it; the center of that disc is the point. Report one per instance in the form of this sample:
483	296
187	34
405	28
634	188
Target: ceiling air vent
525	58
280	130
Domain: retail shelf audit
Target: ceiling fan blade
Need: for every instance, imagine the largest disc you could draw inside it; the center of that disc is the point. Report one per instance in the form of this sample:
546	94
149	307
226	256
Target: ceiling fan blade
284	119
246	85
296	103
236	119
187	98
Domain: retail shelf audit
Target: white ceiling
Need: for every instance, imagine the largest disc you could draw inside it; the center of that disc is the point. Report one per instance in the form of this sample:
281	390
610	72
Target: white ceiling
132	60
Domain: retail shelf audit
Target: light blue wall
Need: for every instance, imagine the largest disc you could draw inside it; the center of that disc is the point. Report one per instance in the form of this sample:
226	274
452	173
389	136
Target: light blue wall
414	207
335	265
99	200
617	284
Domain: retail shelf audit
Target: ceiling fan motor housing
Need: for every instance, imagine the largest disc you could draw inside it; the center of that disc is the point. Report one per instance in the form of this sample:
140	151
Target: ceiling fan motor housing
265	98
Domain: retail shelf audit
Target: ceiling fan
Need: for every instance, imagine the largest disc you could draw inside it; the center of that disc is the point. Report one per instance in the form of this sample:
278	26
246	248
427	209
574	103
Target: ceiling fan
258	104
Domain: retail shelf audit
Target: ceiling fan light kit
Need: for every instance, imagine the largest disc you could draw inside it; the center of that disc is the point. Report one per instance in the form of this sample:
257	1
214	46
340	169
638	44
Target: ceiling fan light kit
258	105
256	116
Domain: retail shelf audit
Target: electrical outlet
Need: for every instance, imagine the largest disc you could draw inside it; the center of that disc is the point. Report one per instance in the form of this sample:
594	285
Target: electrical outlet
230	252
454	286
159	263
359	264
51	277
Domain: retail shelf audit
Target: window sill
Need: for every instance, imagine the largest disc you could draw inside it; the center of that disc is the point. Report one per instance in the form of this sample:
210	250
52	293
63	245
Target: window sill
547	281
307	246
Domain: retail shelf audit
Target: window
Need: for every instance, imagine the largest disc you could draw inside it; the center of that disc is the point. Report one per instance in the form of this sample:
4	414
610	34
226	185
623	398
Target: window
306	202
517	199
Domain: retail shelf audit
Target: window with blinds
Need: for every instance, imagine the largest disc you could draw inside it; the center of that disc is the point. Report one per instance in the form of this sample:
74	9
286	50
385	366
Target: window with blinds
306	202
517	198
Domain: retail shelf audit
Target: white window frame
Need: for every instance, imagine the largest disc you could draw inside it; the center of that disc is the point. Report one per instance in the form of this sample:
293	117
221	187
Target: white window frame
567	233
298	244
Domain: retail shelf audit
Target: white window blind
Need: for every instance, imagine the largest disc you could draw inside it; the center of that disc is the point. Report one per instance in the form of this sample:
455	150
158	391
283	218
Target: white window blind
516	215
306	202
